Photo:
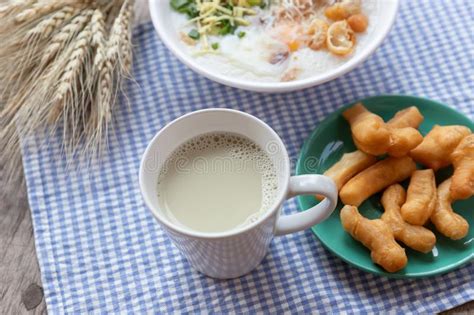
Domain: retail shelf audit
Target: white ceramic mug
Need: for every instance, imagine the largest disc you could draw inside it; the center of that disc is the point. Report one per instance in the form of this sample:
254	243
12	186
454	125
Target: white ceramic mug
233	253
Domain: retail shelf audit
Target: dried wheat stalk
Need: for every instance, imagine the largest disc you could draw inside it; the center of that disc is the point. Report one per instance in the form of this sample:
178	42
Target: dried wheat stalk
13	7
46	27
61	66
101	83
68	80
64	36
120	44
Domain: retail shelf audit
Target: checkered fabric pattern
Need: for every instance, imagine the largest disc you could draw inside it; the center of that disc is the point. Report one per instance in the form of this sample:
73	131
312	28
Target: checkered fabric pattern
101	251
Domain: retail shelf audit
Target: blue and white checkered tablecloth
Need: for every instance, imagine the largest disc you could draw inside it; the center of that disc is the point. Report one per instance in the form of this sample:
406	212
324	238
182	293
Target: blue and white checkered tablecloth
101	251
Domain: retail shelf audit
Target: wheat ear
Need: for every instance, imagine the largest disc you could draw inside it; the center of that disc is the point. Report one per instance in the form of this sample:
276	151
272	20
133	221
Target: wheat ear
39	9
98	44
67	32
71	75
120	39
101	84
14	7
47	26
98	36
59	78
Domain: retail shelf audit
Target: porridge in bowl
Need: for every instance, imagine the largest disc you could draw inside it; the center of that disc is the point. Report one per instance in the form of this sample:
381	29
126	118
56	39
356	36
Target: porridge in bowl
273	40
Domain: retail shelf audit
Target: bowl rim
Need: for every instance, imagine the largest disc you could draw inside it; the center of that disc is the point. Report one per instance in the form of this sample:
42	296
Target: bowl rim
344	68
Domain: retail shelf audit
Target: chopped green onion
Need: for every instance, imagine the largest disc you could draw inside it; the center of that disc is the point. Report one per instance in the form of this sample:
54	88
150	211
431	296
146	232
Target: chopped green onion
187	7
194	34
227	28
216	17
191	10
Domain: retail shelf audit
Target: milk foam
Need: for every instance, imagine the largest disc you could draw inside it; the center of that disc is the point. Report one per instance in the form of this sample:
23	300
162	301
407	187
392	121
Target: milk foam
237	153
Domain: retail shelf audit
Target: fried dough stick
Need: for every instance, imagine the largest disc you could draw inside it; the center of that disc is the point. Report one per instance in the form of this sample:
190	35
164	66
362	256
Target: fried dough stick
403	140
437	146
462	182
421	197
408	117
349	165
377	236
415	237
375	178
446	221
371	135
404	134
369	131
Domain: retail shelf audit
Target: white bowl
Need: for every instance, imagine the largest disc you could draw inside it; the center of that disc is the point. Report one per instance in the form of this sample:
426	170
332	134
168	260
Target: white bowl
160	11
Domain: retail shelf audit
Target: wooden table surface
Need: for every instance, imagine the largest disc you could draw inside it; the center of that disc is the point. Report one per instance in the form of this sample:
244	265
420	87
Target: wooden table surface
20	281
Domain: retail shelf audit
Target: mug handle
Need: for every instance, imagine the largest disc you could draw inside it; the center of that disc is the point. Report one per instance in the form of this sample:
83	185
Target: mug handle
308	185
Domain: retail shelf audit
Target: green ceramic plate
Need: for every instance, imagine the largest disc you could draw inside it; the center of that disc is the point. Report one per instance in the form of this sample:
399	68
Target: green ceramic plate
326	145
